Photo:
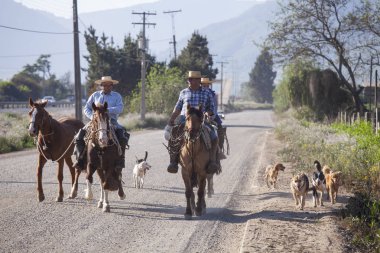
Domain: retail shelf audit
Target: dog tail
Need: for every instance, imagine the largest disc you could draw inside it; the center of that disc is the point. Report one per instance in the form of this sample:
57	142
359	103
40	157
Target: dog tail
146	155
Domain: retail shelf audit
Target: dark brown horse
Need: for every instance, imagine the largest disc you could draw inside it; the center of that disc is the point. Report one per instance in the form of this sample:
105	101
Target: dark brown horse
54	142
194	158
102	152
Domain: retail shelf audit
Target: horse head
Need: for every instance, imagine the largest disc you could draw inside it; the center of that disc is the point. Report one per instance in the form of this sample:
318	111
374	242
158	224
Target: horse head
37	117
194	120
100	121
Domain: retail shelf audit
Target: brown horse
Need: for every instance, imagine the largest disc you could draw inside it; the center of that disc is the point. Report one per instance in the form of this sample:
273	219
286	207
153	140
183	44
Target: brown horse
54	142
102	152
194	158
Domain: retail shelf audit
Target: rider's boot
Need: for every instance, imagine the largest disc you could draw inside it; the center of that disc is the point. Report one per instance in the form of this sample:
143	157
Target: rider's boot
173	165
174	144
213	166
221	135
79	149
123	138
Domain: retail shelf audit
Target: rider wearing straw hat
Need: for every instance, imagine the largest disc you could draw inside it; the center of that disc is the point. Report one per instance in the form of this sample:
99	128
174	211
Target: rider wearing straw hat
193	95
115	107
206	83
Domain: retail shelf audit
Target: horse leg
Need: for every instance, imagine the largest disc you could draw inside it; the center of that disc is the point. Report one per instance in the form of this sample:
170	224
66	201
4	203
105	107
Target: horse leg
40	191
121	191
201	203
100	202
106	205
89	180
142	182
60	179
210	185
74	178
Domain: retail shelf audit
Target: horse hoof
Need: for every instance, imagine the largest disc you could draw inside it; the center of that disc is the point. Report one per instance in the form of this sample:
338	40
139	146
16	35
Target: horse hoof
209	195
73	195
41	198
100	204
106	209
89	195
198	212
188	217
204	211
122	197
59	199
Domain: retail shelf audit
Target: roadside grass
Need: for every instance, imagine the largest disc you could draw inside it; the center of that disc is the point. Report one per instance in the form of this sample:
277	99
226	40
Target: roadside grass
13	132
355	151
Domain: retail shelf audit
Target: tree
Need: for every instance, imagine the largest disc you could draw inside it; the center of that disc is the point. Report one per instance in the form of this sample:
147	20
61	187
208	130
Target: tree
262	78
162	88
321	31
196	56
106	59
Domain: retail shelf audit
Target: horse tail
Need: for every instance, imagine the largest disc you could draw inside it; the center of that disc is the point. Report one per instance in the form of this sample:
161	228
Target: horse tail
194	179
146	155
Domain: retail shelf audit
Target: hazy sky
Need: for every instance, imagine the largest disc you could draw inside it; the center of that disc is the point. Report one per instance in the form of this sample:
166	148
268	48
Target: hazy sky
63	8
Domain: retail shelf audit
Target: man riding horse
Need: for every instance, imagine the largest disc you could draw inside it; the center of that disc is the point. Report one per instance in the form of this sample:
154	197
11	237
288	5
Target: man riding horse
206	83
115	107
194	95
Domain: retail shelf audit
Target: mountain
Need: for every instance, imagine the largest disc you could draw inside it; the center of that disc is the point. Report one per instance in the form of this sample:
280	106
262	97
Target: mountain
229	25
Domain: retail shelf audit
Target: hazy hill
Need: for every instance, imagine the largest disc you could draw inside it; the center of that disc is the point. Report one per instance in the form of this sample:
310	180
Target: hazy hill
229	25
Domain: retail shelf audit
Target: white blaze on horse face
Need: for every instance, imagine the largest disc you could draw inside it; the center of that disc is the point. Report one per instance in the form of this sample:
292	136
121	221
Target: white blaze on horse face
103	138
31	128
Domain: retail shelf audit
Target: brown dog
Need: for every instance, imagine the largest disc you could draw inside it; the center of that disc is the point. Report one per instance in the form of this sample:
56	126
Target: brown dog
333	181
271	174
299	186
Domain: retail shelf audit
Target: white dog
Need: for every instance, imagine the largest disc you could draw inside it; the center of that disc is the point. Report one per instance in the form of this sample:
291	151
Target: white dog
139	172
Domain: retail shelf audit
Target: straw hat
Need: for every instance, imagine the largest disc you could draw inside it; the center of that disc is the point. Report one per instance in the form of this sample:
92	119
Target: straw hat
206	80
106	79
195	74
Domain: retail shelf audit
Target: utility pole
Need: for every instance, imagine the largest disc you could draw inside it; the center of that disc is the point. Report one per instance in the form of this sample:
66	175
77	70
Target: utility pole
143	47
78	89
173	27
221	83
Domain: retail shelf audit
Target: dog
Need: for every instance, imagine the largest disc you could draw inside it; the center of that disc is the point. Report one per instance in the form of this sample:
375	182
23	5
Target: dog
299	186
271	174
318	182
139	171
333	181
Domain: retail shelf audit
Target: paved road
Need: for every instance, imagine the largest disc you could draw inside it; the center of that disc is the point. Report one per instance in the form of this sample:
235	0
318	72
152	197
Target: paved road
149	219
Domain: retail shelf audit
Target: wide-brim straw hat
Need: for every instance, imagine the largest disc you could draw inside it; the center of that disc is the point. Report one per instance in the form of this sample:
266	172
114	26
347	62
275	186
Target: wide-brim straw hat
206	80
194	75
106	79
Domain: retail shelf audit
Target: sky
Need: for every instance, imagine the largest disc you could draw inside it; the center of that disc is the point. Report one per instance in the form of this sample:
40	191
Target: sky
63	8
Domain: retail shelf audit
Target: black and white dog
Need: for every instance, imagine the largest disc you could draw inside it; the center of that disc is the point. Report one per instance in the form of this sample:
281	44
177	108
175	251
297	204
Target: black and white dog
318	184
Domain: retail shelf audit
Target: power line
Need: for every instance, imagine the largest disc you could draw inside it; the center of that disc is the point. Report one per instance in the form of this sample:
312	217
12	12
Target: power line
33	31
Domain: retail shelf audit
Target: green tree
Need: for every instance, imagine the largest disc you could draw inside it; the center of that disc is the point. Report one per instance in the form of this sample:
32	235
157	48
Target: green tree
163	85
262	77
322	31
105	58
196	56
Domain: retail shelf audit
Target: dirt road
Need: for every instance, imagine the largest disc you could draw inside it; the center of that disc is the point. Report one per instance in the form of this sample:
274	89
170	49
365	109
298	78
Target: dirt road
243	215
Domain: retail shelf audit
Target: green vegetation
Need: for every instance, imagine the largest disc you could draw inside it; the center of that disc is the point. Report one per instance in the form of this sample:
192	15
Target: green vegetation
355	151
14	135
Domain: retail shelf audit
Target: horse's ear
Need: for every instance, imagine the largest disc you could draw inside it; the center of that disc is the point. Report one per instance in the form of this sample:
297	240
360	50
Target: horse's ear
31	103
43	104
105	106
93	106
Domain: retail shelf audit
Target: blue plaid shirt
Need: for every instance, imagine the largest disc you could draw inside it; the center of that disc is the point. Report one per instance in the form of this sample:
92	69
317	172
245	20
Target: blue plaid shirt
194	98
113	99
